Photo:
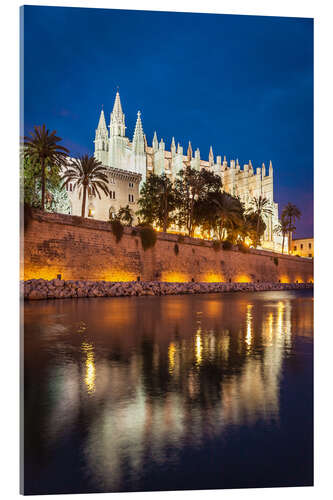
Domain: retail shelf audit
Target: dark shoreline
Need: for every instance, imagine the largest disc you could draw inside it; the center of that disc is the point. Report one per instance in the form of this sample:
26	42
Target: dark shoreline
40	289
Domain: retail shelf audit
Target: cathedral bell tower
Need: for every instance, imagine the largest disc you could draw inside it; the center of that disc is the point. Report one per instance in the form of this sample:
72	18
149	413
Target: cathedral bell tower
117	149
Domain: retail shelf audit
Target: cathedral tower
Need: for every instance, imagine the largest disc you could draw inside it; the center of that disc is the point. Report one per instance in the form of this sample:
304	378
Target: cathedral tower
138	149
118	141
102	141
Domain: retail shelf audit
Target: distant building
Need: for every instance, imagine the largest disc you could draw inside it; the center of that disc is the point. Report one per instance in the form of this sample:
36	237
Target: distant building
304	247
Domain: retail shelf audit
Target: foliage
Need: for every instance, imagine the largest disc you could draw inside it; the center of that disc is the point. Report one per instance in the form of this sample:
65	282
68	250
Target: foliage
45	155
260	208
192	189
157	201
57	201
290	214
148	237
228	213
242	247
282	228
216	245
56	198
125	215
87	174
117	229
176	249
227	245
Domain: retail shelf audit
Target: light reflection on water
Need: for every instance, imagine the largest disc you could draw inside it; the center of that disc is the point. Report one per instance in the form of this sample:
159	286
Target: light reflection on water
137	383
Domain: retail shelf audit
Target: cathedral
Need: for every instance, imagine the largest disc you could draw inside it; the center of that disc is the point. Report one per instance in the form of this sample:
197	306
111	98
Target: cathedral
130	162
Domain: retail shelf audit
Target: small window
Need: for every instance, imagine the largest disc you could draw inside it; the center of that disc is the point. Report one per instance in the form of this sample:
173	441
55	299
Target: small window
130	198
310	254
295	247
301	246
71	187
114	195
310	246
90	212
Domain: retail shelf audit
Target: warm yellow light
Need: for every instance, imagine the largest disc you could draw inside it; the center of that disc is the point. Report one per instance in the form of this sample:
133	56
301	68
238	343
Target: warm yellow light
213	278
243	278
280	318
285	279
90	375
198	347
175	277
171	356
249	318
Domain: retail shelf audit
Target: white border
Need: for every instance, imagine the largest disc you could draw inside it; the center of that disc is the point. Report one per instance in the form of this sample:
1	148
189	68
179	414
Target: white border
322	12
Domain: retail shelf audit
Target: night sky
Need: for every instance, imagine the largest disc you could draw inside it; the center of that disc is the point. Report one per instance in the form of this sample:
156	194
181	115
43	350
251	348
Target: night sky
243	84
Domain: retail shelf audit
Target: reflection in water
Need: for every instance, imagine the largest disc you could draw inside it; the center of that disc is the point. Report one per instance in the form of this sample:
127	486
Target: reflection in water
163	375
249	319
88	350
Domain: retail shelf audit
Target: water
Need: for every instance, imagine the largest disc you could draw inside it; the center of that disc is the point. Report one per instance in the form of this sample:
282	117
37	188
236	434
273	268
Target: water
175	392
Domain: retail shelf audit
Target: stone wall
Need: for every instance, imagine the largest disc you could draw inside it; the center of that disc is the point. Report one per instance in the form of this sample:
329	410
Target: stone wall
84	249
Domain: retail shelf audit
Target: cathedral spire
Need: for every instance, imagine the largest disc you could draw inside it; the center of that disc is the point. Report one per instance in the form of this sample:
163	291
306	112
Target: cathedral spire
101	140
117	109
138	137
117	118
173	147
211	157
102	123
189	151
155	142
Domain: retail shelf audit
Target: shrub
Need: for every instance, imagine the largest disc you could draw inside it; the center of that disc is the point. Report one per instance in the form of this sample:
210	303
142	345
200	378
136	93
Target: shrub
216	245
176	249
117	229
243	248
148	237
227	245
134	232
276	261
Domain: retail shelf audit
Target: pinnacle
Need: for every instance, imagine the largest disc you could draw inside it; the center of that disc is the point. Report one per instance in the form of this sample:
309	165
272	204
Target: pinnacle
102	123
117	109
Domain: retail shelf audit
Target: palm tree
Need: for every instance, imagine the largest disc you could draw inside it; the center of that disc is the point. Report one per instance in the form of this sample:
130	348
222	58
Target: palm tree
228	211
87	173
41	148
260	207
126	214
282	228
291	213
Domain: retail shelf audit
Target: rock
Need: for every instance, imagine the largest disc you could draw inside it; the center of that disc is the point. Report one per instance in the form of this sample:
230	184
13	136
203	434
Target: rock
37	295
59	283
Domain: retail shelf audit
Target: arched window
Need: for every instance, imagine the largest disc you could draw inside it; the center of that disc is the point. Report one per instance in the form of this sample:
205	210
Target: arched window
112	213
91	210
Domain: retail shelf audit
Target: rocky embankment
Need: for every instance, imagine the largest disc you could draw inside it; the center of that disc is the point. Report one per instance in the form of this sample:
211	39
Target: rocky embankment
39	289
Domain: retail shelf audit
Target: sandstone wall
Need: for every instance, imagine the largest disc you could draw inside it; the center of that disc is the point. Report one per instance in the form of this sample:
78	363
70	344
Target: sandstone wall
86	249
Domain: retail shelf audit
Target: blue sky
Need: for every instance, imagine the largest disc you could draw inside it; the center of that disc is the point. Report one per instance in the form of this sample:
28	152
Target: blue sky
243	84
